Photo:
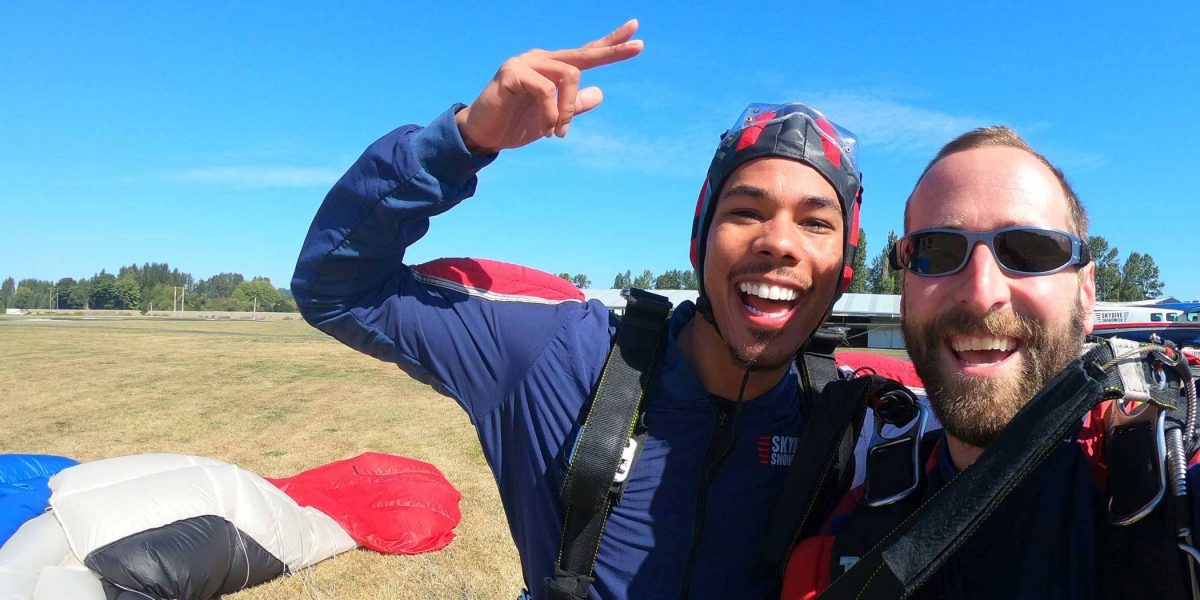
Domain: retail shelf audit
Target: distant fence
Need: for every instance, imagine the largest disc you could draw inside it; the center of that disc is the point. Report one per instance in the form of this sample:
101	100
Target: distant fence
213	315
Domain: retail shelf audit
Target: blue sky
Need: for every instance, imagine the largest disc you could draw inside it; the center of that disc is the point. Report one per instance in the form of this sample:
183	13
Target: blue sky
205	134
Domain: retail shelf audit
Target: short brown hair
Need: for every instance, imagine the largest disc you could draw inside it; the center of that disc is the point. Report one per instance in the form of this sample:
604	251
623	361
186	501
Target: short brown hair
1000	135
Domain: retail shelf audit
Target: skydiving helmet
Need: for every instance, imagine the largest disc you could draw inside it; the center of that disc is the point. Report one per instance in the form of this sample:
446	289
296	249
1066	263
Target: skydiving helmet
793	131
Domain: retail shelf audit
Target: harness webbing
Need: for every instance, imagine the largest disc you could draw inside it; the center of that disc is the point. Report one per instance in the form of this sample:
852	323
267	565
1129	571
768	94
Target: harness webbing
909	554
814	484
589	488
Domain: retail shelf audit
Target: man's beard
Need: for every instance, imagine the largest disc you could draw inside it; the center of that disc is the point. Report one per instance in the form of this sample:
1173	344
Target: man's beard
976	409
754	357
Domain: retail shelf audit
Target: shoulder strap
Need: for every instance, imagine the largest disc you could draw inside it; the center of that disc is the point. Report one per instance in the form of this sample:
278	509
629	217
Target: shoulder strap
865	525
833	419
907	556
817	363
591	484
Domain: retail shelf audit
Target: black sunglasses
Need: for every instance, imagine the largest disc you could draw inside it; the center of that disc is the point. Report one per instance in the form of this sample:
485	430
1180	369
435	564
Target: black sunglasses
1018	250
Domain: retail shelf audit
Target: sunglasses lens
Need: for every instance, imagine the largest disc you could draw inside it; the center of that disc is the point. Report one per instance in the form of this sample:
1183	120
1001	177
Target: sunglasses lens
935	252
1032	251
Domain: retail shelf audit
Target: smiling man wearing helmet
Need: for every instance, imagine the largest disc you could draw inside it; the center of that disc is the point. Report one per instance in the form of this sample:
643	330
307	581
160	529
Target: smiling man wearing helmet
723	408
775	231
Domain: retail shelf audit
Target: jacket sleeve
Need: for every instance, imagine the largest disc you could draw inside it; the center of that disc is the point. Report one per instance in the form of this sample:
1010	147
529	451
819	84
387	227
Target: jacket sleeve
351	281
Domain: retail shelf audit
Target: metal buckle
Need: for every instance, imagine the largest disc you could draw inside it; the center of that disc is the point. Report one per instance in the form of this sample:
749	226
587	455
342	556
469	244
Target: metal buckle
1123	418
628	454
1193	560
881	445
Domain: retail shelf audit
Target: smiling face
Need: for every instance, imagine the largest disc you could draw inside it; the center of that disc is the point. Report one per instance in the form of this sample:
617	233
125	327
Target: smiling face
773	259
985	341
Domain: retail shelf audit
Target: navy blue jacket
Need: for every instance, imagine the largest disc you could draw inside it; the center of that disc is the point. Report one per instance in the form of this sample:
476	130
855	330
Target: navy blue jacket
524	364
1045	540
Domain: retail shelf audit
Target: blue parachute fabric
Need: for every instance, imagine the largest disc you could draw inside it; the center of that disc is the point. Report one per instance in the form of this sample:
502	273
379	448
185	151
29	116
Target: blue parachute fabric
24	488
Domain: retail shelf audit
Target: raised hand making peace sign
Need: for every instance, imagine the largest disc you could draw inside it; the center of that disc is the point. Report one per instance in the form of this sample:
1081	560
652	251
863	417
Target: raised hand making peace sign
537	93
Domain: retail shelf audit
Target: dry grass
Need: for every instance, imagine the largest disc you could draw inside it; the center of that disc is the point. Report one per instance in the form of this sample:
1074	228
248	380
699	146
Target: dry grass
273	397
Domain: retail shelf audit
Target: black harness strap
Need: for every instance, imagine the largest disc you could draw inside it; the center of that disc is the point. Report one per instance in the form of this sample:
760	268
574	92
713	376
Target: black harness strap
817	364
909	554
589	489
824	463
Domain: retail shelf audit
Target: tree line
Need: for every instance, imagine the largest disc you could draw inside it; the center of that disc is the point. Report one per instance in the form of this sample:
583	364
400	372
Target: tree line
1135	278
152	286
675	279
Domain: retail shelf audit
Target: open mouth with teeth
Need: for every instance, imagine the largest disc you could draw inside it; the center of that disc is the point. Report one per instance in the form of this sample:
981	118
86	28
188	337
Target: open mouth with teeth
766	301
982	350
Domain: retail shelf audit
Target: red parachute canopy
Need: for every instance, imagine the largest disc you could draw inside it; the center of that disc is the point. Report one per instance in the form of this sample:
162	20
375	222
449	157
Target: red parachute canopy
898	369
387	503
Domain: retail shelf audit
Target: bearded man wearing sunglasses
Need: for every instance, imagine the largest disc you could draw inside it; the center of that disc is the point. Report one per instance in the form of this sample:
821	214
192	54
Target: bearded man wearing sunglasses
998	290
997	300
772	241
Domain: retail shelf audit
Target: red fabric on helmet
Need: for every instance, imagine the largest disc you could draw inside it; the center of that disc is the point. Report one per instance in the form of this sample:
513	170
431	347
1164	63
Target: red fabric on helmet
832	153
751	134
387	503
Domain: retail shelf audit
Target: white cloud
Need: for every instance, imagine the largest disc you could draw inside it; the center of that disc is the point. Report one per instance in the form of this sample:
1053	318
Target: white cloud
885	126
618	150
259	177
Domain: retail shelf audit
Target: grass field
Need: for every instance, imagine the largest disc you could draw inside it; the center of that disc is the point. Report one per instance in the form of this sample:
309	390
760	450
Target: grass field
272	397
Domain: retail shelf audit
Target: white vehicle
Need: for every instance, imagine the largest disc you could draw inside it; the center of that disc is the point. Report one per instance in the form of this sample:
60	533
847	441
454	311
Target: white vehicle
1178	322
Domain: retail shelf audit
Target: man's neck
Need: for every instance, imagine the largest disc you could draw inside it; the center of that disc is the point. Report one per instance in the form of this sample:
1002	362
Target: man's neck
962	454
709	356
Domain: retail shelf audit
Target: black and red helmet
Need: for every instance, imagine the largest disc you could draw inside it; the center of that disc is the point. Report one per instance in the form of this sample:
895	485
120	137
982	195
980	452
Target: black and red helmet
793	131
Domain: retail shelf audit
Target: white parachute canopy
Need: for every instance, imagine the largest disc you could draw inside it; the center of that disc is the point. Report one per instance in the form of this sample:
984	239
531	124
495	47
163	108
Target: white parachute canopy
165	525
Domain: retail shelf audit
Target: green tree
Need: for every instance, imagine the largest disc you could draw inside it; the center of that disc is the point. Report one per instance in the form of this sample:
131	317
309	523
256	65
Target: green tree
882	279
670	280
152	275
104	291
860	284
1108	269
676	279
80	295
7	291
159	298
1139	278
129	293
216	292
257	292
581	281
65	295
287	302
623	280
644	281
33	294
24	298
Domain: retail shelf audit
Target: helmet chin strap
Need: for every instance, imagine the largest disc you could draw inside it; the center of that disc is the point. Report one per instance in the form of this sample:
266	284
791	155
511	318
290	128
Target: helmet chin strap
704	307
